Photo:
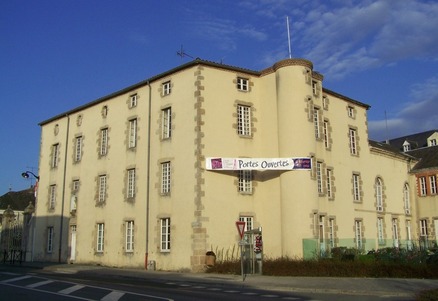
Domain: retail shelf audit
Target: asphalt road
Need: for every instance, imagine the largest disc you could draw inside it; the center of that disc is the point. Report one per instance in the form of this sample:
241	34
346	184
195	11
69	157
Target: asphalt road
72	282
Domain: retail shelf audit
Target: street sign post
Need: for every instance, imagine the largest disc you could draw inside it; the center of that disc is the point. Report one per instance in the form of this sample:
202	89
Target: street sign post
240	225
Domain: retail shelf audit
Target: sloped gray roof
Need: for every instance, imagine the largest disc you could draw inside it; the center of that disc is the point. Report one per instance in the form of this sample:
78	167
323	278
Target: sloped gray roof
428	157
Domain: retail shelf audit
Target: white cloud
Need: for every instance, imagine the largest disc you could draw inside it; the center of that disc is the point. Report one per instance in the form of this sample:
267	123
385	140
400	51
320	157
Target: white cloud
420	113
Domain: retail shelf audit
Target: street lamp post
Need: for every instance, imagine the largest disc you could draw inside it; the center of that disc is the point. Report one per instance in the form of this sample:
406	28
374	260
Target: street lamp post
29	224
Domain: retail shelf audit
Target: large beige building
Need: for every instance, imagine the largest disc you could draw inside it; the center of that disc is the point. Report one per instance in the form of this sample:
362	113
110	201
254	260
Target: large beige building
123	179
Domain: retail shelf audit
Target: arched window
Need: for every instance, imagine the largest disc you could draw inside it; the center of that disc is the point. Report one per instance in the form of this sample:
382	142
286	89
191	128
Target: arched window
379	194
406	199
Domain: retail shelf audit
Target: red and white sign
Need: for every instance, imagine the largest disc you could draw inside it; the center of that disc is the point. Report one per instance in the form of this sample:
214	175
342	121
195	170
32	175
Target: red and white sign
241	228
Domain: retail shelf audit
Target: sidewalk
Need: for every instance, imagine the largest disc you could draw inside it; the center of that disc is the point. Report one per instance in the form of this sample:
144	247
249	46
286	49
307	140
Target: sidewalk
352	286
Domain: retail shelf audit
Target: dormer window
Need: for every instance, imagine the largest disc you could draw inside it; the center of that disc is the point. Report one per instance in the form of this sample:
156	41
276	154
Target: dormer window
432	142
242	84
406	146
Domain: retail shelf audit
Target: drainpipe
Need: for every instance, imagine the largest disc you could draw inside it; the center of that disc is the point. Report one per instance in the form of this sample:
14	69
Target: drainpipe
148	176
63	188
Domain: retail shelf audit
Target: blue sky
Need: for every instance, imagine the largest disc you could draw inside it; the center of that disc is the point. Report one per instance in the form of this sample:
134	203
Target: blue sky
56	55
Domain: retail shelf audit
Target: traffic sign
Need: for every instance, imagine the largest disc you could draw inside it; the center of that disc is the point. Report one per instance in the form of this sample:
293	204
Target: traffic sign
241	228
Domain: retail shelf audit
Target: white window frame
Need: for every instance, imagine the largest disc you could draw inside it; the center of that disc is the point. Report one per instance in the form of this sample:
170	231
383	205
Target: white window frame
243	120
50	232
55	155
166	123
132	133
380	233
423	228
316	122
245	181
100	237
379	195
326	134
329	174
423	186
358	234
104	142
350	110
353	141
242	84
407	199
332	233
167	88
129	236
165	178
356	187
52	197
102	189
130	185
249	222
74	195
315	88
165	235
319	169
432	184
133	100
78	148
395	233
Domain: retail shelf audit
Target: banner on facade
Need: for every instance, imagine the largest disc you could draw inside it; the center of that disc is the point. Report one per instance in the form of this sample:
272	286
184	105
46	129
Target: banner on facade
219	163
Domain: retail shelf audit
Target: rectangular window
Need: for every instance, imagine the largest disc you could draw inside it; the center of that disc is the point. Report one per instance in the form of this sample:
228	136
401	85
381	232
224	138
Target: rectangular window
244	120
165	178
100	237
103	142
316	123
353	141
332	232
131	184
380	235
423	228
248	222
245	181
75	186
102	188
358	233
242	84
52	197
329	173
166	123
326	134
432	182
423	187
356	188
315	88
129	236
133	101
319	176
132	133
395	235
165	235
350	111
49	239
166	88
78	148
74	195
55	155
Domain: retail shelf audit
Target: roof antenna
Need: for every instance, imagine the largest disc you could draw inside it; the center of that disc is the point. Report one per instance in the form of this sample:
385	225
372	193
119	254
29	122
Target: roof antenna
182	53
288	36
